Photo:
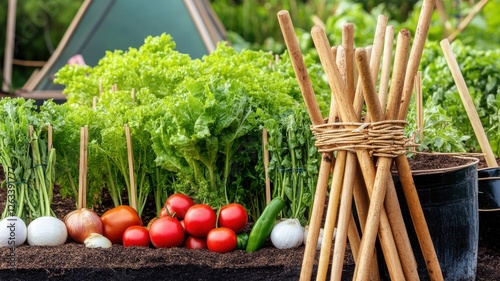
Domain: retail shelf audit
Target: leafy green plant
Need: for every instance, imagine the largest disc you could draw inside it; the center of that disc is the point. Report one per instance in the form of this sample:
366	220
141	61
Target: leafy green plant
481	73
294	159
200	119
27	161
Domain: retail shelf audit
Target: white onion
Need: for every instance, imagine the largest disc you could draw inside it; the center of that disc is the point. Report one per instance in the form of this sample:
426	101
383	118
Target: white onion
12	232
320	236
81	223
47	231
287	234
97	240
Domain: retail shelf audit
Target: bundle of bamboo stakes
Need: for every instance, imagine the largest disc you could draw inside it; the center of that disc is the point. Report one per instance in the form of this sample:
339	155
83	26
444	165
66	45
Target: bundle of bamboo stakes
357	153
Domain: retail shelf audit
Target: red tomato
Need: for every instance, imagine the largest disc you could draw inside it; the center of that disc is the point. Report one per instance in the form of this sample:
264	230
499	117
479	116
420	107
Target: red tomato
136	236
179	204
221	240
195	243
115	221
166	232
163	212
233	216
199	220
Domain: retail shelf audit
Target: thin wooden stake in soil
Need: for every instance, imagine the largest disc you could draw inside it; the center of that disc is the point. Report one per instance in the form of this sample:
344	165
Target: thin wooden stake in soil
404	170
266	165
326	158
85	165
382	178
468	104
49	137
386	65
351	164
82	182
130	156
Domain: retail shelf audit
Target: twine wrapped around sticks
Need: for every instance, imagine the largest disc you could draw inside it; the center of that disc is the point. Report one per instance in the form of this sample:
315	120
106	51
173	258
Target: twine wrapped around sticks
382	139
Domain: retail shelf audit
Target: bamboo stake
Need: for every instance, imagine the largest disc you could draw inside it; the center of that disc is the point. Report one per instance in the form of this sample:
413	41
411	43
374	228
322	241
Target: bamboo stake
348	45
346	110
386	65
49	138
392	206
345	208
382	178
326	158
331	215
82	170
266	165
362	203
423	24
468	104
335	189
345	214
365	160
130	156
404	170
395	216
85	166
378	45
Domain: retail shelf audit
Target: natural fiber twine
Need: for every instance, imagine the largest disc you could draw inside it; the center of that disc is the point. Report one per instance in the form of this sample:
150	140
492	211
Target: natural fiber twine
381	139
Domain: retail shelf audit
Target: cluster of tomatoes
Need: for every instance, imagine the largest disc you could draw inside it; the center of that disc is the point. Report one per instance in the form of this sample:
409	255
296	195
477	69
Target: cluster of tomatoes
181	223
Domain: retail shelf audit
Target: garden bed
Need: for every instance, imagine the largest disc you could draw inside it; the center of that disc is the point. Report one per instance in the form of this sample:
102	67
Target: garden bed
73	261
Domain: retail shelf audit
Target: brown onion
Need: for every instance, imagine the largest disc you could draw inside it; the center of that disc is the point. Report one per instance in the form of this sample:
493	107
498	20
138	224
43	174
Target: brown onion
81	223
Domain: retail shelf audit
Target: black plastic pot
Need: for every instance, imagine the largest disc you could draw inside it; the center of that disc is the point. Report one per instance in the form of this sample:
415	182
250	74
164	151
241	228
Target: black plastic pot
489	189
449	199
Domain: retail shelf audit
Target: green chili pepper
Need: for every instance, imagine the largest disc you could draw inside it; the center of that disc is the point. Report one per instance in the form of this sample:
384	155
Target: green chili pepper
264	225
242	241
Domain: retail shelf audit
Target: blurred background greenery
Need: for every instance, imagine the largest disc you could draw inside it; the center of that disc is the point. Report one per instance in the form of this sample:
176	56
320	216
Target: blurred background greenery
252	24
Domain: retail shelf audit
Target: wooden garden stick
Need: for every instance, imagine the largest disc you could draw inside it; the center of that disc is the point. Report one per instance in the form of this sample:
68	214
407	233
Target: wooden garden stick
334	198
348	45
266	165
326	158
378	45
386	65
130	156
404	170
382	177
345	212
423	24
85	166
82	186
392	206
80	168
344	216
401	237
468	104
362	203
331	215
346	110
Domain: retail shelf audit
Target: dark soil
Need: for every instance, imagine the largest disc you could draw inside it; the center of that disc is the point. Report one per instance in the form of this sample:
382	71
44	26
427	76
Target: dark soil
73	261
